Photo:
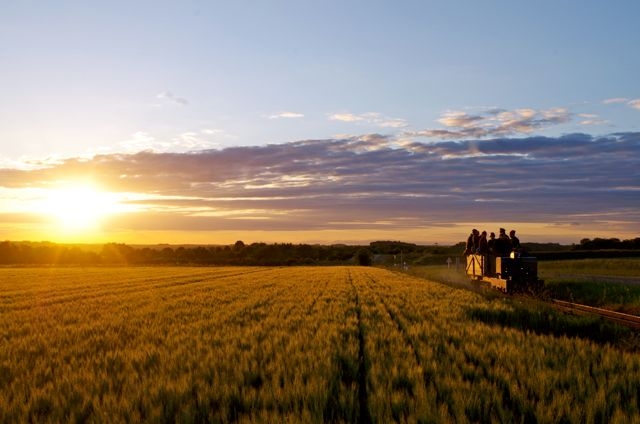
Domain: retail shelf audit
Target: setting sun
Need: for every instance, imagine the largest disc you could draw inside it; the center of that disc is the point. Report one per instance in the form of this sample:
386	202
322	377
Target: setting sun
79	207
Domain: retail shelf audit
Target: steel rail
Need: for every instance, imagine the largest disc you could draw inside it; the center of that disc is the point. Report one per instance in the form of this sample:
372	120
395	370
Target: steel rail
629	320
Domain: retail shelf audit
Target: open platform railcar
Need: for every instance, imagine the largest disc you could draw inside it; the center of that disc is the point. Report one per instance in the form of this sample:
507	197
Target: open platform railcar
510	274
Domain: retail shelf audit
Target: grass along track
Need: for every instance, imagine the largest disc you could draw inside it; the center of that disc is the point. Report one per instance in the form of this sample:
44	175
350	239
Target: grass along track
339	344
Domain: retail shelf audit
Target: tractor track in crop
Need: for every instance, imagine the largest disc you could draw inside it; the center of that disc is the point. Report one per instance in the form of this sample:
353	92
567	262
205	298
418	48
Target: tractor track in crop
364	415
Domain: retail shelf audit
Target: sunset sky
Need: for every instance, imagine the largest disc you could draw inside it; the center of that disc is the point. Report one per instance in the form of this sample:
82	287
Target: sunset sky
150	122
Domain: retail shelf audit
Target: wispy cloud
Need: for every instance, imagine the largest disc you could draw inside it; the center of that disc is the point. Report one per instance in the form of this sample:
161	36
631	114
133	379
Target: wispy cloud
592	119
615	100
191	141
187	141
169	97
286	115
345	117
634	103
494	123
140	140
371	118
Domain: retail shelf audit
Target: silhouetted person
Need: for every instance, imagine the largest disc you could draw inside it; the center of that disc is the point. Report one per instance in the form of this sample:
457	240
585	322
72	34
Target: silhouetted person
515	243
504	243
491	256
491	244
476	240
483	244
472	242
483	249
469	247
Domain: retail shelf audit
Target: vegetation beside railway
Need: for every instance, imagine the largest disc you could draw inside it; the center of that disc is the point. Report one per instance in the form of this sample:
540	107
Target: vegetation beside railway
612	283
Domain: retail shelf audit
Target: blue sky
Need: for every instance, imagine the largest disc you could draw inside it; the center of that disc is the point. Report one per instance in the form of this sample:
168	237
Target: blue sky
80	79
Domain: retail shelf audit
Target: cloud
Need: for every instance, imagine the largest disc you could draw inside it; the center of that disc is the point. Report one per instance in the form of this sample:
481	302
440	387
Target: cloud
372	181
493	123
615	100
634	103
287	115
371	118
392	123
592	119
169	97
459	119
345	117
187	141
140	140
212	131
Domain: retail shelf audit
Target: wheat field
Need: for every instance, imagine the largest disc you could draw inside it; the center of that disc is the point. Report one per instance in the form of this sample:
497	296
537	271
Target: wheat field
299	344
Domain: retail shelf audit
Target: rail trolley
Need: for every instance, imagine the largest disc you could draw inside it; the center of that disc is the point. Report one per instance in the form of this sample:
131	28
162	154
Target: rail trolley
509	274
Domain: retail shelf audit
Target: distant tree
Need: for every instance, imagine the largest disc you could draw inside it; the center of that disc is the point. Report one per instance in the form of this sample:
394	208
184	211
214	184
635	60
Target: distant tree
167	255
364	257
9	253
632	244
391	247
116	253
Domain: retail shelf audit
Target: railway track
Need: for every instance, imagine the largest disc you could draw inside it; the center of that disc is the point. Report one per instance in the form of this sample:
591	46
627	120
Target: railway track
628	320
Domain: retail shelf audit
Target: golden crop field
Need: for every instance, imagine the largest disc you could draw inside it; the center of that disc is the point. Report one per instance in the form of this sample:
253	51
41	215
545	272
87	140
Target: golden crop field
299	344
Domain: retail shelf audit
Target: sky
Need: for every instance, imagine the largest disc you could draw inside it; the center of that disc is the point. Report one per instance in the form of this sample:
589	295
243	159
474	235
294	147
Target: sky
318	121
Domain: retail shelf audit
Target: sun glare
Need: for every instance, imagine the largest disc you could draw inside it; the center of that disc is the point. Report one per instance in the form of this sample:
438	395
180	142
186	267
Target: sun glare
80	207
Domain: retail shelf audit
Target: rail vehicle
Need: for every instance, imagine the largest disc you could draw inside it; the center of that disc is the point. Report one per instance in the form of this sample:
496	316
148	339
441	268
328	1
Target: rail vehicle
510	274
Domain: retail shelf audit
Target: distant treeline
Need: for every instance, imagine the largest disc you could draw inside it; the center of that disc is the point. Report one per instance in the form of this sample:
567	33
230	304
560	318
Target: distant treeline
284	254
596	248
610	243
260	254
122	254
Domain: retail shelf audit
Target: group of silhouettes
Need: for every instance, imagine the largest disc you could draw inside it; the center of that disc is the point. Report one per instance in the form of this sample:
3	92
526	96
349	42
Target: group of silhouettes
503	245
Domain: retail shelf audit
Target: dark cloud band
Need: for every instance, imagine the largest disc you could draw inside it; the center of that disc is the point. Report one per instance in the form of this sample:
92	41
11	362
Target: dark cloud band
373	181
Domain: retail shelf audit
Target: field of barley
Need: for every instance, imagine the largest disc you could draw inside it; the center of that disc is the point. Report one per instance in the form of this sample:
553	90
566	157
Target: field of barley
297	344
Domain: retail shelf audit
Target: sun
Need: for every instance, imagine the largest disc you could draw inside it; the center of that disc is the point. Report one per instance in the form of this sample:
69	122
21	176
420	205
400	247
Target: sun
78	207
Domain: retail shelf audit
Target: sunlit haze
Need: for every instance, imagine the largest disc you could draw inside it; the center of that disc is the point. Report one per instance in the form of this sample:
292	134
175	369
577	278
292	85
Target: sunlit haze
208	122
